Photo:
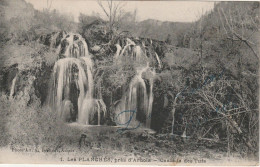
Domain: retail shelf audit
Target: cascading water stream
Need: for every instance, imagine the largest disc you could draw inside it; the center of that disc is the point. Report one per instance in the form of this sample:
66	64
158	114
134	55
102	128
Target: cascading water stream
123	51
64	76
86	103
138	54
150	104
158	60
138	88
132	50
137	99
13	86
73	83
118	50
100	107
72	88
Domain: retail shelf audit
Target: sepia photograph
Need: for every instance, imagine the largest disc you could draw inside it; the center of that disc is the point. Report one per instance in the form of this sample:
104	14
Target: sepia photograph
104	82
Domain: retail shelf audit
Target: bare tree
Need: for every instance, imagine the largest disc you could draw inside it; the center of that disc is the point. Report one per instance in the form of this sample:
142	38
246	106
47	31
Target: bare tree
48	5
236	27
113	11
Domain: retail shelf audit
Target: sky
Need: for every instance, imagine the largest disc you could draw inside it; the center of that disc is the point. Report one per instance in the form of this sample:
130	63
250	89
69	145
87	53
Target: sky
177	11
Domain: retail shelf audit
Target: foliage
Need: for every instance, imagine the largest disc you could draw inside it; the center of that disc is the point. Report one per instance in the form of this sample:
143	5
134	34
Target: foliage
4	112
97	31
32	126
30	56
223	108
85	21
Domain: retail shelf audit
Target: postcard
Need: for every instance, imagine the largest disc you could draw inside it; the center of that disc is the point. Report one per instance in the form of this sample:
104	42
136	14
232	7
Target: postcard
173	83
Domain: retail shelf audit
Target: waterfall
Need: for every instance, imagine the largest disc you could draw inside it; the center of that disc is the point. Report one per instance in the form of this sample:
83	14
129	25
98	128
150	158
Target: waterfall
68	72
129	43
72	87
124	49
158	60
91	107
137	99
60	38
131	50
118	50
73	45
12	90
150	103
98	111
86	100
100	105
138	53
71	94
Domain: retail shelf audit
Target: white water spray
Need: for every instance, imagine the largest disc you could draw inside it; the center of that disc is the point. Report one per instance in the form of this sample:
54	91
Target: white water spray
12	90
73	83
158	60
137	99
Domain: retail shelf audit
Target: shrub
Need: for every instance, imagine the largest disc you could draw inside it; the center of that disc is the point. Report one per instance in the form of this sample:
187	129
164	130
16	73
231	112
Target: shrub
4	112
30	125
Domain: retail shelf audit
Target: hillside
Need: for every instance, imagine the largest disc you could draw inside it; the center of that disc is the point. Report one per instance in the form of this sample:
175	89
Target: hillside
159	30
